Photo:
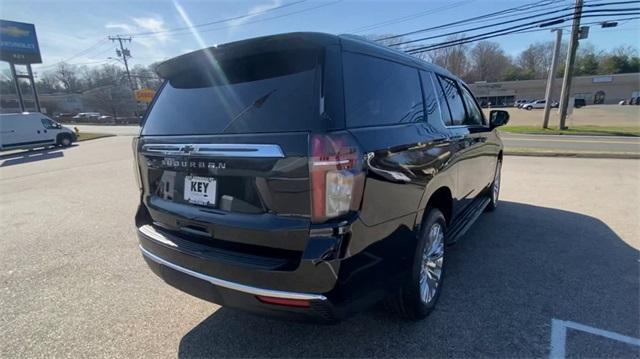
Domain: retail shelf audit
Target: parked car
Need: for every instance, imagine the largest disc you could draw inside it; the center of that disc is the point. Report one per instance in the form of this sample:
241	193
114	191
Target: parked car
309	176
519	103
579	102
31	130
86	116
534	104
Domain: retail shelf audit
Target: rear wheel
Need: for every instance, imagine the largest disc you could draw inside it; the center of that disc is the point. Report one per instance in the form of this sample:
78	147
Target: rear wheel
418	295
494	191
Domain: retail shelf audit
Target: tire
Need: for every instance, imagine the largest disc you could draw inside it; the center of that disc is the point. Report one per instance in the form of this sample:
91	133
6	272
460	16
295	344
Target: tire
418	295
494	190
528	108
64	140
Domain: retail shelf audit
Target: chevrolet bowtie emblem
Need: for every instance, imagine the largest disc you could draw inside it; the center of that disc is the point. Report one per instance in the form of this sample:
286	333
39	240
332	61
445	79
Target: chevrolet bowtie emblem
187	149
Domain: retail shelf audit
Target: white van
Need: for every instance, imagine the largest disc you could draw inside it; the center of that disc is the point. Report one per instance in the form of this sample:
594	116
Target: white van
32	129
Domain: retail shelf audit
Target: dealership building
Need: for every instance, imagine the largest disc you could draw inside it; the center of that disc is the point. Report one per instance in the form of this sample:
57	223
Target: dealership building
601	89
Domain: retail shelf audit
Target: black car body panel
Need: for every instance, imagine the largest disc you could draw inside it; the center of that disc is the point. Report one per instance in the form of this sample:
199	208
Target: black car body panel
261	237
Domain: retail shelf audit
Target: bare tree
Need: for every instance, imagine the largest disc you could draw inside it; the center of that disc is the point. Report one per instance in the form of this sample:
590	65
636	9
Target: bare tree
145	77
48	83
68	77
453	58
536	59
488	62
105	75
111	99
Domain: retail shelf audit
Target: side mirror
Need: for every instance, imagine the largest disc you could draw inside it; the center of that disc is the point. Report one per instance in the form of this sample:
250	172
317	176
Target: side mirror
498	118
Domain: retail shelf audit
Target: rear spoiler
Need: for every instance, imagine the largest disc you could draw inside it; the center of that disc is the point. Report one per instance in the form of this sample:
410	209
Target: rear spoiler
210	56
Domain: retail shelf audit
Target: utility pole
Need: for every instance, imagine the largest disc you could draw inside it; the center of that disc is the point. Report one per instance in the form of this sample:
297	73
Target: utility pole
551	78
568	69
124	53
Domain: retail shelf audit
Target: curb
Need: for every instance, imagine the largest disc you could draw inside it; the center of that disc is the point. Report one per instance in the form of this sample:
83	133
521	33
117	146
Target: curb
560	135
101	135
611	155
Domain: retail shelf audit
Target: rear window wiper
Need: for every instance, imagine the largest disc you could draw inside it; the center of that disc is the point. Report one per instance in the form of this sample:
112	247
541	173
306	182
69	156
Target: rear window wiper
256	104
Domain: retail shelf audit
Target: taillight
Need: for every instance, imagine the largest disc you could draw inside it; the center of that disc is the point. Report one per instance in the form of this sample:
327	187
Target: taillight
136	169
336	175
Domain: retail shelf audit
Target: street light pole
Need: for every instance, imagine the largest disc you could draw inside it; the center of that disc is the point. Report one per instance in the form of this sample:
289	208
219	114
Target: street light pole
568	69
552	77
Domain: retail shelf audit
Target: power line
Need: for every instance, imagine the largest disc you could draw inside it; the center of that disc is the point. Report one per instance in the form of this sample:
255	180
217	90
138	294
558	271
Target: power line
508	16
408	17
263	19
512	21
496	17
494	34
525	26
586	23
88	50
480	27
188	28
484	16
438	46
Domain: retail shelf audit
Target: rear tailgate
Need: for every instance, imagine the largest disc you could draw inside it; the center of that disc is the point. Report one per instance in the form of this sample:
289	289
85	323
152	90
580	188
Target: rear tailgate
258	192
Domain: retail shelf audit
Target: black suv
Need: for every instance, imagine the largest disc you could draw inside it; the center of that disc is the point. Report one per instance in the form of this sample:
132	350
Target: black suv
308	175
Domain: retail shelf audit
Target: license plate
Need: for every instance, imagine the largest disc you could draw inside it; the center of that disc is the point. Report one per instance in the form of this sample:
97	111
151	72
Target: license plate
200	190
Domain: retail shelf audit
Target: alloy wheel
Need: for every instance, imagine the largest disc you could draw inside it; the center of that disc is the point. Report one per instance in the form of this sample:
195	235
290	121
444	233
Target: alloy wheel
432	260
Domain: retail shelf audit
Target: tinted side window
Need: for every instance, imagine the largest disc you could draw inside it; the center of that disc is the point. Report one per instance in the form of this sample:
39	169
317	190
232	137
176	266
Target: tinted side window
380	92
48	124
474	115
442	101
452	93
431	101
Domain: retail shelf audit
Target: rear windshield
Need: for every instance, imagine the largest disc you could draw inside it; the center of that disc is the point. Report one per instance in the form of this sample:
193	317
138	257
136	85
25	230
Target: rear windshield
270	92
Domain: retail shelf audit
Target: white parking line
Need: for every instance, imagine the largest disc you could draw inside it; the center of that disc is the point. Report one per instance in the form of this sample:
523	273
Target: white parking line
559	336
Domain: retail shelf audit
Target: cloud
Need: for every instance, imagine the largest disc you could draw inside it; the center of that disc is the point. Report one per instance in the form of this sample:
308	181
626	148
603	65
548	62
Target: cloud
153	28
125	27
256	11
152	24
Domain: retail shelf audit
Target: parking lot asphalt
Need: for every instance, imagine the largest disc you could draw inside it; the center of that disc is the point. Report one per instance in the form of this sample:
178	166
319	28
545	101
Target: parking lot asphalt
562	245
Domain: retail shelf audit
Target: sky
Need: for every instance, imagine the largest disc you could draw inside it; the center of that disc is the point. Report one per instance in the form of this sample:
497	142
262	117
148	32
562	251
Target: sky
77	31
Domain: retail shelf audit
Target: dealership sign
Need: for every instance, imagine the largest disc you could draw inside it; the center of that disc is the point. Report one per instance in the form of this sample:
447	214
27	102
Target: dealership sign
18	43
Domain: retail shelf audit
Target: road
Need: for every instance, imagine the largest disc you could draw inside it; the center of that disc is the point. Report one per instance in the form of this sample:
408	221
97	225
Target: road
572	143
563	245
596	144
